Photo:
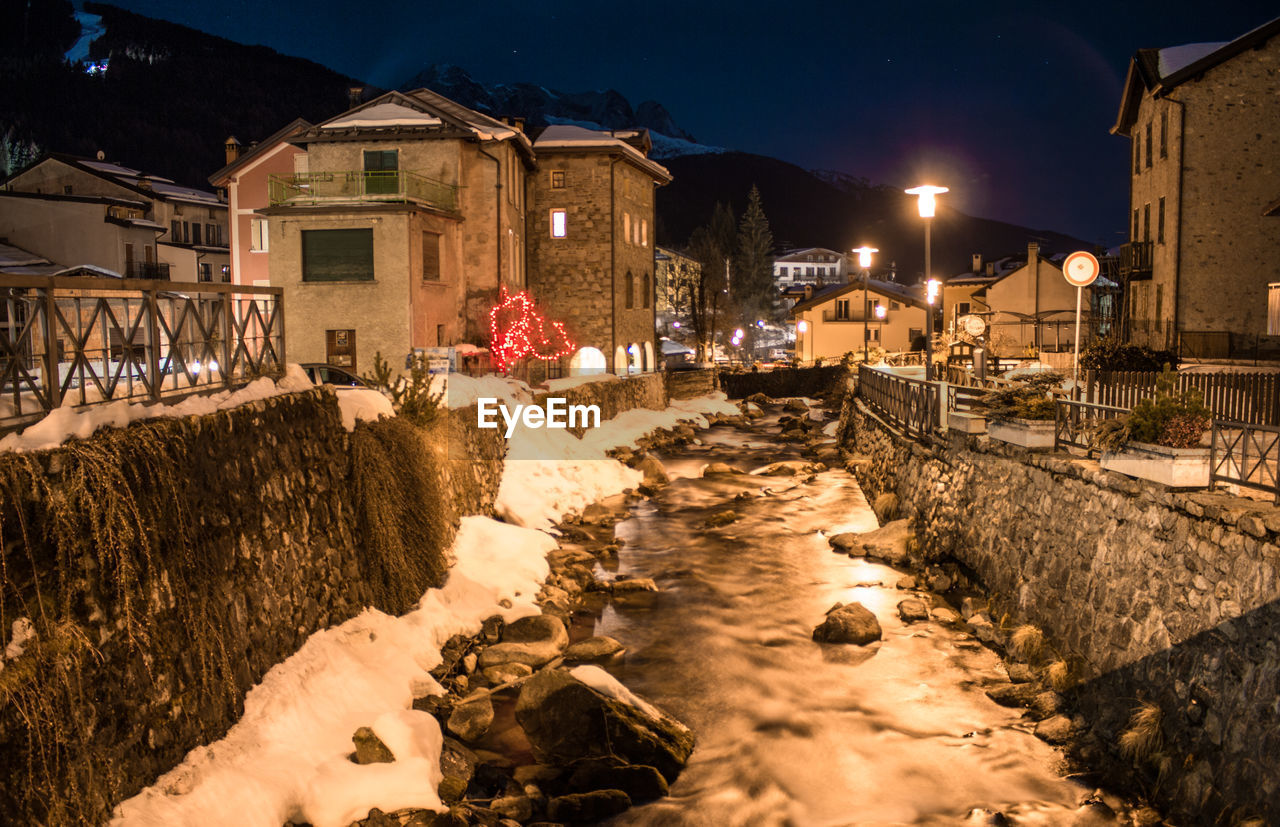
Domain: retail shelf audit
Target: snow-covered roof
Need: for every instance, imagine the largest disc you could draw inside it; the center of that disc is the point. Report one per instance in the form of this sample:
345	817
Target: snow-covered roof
571	136
89	269
384	114
143	223
15	261
1174	58
177	192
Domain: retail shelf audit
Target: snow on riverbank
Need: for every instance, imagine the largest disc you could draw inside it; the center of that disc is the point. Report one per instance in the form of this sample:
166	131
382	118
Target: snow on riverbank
551	473
287	757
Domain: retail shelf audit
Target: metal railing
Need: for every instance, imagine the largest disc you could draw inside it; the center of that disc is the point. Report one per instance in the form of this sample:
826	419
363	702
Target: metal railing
909	404
347	186
1135	259
71	341
1074	421
1245	454
147	270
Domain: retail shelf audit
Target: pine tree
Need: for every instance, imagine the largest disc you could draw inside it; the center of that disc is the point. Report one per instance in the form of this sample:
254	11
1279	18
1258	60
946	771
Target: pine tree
712	245
753	291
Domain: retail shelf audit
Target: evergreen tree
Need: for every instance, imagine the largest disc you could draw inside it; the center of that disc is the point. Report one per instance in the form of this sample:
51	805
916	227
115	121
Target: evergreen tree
712	245
753	291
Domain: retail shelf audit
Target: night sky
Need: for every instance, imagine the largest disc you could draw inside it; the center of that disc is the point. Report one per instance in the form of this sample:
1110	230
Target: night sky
1007	103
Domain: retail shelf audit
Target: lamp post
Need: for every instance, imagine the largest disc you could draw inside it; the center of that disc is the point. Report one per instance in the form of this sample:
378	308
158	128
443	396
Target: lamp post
864	262
927	203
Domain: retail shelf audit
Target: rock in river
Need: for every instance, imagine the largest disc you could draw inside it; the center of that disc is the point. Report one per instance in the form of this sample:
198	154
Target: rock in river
852	623
566	720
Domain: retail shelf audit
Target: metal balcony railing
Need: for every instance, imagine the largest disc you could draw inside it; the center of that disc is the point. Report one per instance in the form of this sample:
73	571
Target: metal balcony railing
147	270
360	186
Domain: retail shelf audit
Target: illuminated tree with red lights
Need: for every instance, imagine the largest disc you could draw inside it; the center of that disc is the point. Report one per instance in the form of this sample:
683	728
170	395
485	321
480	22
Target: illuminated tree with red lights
517	330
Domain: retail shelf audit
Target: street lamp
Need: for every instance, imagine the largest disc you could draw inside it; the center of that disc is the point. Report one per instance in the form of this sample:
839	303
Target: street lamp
927	203
864	261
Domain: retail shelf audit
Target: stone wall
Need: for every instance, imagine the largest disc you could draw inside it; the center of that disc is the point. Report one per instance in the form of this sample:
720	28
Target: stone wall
168	565
687	384
1152	597
812	382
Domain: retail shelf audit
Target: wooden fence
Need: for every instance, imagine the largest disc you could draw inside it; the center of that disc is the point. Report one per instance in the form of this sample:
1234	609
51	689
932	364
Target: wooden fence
1252	398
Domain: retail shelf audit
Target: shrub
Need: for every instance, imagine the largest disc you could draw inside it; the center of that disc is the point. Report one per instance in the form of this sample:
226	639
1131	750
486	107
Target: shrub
1028	400
411	397
1112	354
1173	418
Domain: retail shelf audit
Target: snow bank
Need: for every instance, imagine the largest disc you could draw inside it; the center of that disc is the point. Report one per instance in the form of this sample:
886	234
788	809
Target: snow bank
360	404
550	473
567	382
80	423
462	390
286	759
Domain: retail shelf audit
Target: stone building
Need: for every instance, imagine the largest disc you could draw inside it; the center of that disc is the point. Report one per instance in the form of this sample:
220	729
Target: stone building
591	247
190	238
1204	237
397	228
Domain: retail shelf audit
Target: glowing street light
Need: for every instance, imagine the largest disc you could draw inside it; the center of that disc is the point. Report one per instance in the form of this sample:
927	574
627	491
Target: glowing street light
864	262
880	314
927	203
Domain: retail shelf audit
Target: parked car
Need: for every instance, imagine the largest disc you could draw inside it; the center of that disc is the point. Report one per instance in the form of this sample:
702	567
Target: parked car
323	374
676	356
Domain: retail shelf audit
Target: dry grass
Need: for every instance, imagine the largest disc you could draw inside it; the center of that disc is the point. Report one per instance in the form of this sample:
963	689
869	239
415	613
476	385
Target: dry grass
1142	739
1058	676
1027	644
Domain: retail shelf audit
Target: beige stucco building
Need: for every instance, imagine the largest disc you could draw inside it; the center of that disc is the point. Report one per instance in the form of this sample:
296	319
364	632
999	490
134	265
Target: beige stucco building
838	320
1204	230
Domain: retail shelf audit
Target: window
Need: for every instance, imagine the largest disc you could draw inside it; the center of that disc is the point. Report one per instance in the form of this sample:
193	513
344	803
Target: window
842	309
257	235
226	273
808	271
301	163
175	231
1146	222
558	224
557	179
1135	224
893	305
337	255
631	290
1164	137
1148	145
626	227
648	288
211	235
1137	154
430	256
1160	220
195	234
381	171
439	335
206	271
644	232
66	189
962	308
186	232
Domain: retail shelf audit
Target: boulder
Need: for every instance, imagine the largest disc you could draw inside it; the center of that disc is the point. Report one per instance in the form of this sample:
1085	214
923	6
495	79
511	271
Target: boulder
655	473
886	507
851	623
845	542
537	629
596	514
890	543
911	610
515	807
795	405
593	806
715	468
760	399
640	783
470	719
1047	704
457	766
370	749
506	673
944	614
906	582
566	720
533	655
593	649
1055	730
1013	694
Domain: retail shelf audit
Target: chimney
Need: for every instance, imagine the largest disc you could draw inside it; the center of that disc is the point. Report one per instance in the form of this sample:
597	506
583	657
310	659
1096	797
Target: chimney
991	268
1033	250
354	96
518	123
808	292
977	262
232	146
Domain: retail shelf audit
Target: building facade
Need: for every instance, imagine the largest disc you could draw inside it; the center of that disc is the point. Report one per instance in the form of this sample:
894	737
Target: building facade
192	235
810	265
1204	238
840	319
677	276
591	246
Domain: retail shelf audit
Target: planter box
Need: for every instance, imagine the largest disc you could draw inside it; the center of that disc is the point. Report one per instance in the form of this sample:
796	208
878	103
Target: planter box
1032	434
966	423
1175	467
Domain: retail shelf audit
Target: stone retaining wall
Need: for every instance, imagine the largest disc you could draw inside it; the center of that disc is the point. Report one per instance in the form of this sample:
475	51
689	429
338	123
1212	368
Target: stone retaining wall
1152	596
687	384
168	565
781	382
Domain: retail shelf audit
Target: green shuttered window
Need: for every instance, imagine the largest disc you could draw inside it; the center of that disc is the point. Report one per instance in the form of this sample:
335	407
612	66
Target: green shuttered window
337	255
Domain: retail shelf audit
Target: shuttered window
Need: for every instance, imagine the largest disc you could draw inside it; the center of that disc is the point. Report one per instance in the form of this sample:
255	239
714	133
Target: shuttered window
337	255
430	256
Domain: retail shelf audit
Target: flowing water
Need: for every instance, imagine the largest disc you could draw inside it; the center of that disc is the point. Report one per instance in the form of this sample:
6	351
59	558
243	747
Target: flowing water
791	731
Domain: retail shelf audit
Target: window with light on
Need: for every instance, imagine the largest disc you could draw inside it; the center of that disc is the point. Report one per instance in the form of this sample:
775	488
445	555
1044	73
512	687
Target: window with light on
558	224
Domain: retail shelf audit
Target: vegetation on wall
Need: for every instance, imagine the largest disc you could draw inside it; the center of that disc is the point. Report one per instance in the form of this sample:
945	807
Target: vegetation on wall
1031	399
1112	354
1172	418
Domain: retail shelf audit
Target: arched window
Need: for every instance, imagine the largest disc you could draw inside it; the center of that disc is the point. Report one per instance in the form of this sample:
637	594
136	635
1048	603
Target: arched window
634	357
648	289
631	290
587	360
620	361
648	357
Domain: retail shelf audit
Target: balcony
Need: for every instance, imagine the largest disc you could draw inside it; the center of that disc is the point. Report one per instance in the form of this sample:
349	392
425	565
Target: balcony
361	187
1135	260
147	270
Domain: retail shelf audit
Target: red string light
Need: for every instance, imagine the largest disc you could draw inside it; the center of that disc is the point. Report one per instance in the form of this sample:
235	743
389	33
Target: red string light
517	330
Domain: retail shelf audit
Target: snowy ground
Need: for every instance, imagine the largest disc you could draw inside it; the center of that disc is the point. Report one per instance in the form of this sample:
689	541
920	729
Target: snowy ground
286	759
